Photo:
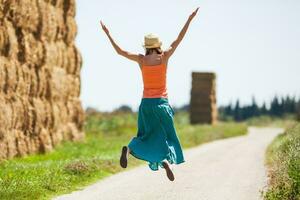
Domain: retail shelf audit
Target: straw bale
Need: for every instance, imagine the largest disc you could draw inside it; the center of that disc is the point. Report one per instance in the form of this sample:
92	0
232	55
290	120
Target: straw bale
12	46
57	3
75	112
40	115
27	80
31	49
21	88
62	55
203	107
30	118
58	84
69	8
78	61
75	60
22	147
6	113
43	76
4	40
56	136
71	29
33	144
1	11
34	81
48	114
56	54
71	132
52	22
3	144
43	111
3	61
11	143
18	118
24	14
11	76
203	75
59	114
45	141
24	80
40	69
73	85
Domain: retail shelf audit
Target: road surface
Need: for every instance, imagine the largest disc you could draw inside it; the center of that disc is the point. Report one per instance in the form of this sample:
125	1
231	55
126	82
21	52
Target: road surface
230	169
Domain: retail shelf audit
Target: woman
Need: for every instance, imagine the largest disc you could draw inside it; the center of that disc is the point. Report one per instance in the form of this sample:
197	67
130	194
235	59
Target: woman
156	140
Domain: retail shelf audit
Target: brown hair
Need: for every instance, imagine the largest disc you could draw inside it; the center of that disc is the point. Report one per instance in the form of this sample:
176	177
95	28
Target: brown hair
151	50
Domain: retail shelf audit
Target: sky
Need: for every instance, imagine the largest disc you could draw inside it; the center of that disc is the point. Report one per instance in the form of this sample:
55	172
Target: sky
252	45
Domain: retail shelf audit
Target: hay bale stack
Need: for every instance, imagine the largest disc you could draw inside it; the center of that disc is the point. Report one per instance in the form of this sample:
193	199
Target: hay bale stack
203	108
40	76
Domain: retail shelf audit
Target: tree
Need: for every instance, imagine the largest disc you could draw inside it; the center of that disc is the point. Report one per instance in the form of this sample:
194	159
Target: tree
275	109
123	108
237	112
263	109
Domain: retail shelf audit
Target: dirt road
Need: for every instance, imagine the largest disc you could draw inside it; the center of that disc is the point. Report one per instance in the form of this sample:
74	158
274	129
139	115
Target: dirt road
231	169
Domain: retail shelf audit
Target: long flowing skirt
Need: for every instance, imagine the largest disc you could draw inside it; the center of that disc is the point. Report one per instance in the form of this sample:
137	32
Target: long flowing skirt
156	138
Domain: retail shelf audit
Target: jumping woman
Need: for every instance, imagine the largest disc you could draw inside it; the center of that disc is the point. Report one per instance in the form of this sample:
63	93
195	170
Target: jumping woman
156	140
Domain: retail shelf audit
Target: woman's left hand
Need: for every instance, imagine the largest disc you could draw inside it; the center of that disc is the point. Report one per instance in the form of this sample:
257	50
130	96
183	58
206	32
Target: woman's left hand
194	13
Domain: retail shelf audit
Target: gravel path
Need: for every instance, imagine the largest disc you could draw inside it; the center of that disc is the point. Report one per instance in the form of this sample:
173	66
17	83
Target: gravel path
230	169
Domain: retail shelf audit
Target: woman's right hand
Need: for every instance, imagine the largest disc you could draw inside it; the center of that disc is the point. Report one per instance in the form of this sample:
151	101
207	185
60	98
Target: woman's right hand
104	28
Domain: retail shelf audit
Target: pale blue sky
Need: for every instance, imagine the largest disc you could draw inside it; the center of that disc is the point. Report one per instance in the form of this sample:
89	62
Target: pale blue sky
252	45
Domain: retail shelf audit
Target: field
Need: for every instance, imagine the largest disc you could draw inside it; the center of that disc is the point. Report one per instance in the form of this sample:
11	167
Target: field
73	165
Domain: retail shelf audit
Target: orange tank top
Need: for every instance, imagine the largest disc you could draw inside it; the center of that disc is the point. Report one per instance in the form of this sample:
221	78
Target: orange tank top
154	79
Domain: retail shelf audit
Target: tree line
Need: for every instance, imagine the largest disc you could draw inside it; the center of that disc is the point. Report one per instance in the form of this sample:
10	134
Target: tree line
278	107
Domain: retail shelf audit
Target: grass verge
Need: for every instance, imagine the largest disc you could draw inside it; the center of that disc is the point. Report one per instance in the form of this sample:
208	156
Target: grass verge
73	165
283	161
286	121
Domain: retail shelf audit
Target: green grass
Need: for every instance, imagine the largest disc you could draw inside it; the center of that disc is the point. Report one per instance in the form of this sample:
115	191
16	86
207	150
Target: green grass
74	165
286	121
283	160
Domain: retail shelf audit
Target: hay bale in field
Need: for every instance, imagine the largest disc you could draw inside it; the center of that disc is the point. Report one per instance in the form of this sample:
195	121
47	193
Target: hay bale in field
10	139
22	147
11	67
40	76
4	40
45	141
43	75
203	108
71	29
11	48
6	113
23	13
3	61
31	50
69	8
3	144
52	25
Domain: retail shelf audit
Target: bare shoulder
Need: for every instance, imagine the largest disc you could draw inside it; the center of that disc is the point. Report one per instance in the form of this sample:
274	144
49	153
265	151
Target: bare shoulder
165	57
141	60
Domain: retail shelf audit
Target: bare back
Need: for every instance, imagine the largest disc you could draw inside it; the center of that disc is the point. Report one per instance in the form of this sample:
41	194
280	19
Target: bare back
153	59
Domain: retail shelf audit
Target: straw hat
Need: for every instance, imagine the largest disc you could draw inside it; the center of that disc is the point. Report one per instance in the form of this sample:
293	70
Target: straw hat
151	41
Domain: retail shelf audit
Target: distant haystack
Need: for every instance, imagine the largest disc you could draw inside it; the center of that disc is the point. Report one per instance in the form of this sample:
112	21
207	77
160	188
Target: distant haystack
203	108
39	76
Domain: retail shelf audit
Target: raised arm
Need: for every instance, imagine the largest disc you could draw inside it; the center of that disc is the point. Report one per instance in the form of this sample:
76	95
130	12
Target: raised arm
174	45
118	49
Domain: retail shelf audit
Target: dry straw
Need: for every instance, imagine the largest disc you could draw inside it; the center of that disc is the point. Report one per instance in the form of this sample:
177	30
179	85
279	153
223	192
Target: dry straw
40	76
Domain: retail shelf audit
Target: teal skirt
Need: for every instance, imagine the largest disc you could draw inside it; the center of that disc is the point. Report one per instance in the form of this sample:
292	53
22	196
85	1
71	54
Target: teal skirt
156	138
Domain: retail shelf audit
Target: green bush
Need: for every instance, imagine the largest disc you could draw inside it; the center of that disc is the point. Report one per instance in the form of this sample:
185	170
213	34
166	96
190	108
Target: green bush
283	159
